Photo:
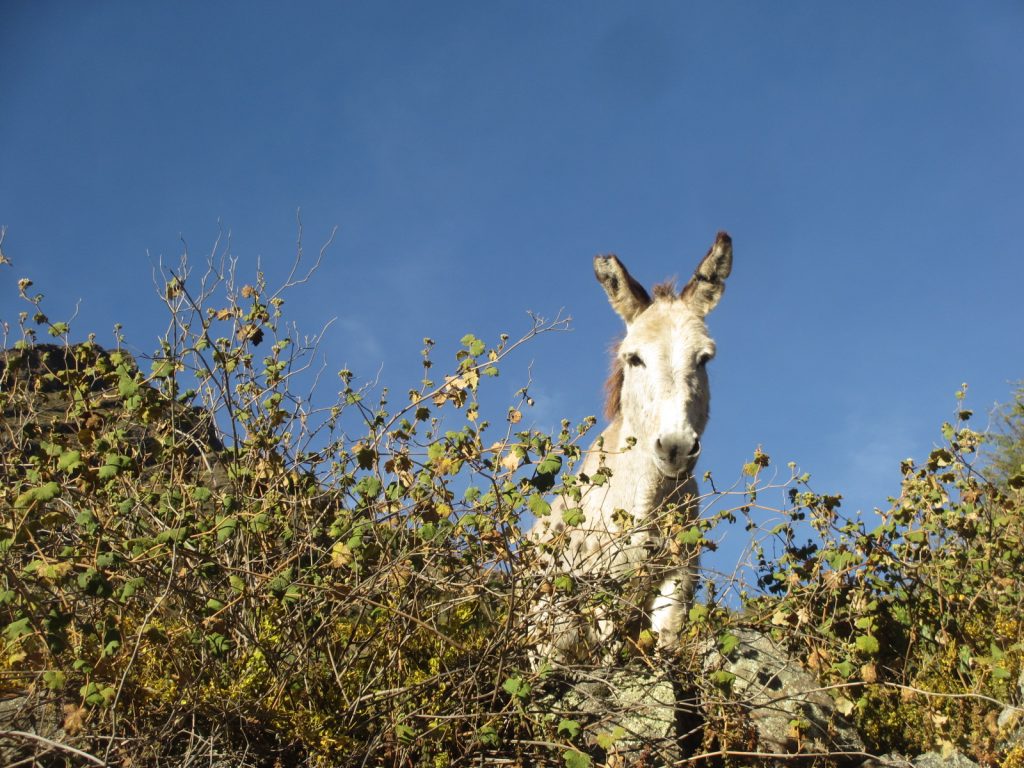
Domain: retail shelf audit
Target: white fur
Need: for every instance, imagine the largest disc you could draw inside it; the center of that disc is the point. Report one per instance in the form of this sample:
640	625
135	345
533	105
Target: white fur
650	448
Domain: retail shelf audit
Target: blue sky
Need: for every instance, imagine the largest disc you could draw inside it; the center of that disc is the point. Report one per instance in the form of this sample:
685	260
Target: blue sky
866	157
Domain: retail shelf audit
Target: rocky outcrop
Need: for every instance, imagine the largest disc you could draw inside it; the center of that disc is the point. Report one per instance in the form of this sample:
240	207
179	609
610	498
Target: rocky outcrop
626	716
783	702
636	716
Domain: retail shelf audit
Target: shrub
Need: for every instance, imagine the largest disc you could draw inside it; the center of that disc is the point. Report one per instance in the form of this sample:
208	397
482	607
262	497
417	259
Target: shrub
196	564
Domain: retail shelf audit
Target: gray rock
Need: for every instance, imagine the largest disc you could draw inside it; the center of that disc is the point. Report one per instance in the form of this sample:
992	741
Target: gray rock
936	760
632	711
890	760
775	692
1011	719
32	733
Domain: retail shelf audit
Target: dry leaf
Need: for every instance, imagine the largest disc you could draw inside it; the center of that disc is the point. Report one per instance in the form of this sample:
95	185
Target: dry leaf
511	462
341	555
74	718
845	706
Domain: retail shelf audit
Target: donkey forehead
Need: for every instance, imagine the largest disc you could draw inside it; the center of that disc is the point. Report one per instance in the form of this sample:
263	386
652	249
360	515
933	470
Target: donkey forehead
671	323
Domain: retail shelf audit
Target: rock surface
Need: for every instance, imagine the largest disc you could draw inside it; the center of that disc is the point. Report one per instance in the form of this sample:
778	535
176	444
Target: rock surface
938	760
630	716
784	702
1011	719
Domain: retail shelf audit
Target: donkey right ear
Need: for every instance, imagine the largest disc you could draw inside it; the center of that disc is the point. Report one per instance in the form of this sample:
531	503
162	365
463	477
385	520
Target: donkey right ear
627	296
708	282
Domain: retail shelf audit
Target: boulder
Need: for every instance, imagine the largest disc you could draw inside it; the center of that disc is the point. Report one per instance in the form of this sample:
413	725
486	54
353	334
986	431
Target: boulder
783	702
939	760
629	716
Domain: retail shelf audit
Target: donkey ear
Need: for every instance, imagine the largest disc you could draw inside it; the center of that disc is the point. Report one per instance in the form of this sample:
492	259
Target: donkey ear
627	296
708	282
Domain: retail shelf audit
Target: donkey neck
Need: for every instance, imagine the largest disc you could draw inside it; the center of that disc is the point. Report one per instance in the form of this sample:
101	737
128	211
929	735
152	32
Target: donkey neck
637	486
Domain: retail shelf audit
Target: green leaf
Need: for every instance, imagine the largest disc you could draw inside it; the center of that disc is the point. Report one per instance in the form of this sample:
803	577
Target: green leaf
131	587
727	643
54	679
690	536
487	735
867	644
607	739
226	526
517	687
369	486
576	759
722	678
573	516
96	694
844	668
538	505
550	465
473	345
218	643
161	369
17	629
69	461
570	728
107	472
201	493
45	492
126	384
25	499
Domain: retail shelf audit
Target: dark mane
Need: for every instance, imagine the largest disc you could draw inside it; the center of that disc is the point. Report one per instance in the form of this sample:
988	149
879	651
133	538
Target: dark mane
666	290
613	386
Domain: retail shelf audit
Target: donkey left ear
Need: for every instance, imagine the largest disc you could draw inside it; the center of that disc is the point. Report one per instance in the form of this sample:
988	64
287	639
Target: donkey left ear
708	282
627	296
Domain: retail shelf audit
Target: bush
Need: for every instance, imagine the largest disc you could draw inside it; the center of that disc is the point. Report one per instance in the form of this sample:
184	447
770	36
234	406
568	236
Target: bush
915	614
296	595
198	565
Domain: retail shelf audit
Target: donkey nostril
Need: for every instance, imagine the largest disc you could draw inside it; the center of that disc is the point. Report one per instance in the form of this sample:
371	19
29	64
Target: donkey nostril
696	448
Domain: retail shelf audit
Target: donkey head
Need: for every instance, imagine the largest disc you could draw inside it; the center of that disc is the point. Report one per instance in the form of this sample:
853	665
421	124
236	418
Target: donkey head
659	385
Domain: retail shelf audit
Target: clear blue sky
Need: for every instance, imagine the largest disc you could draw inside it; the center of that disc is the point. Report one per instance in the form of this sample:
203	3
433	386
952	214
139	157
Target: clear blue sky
868	159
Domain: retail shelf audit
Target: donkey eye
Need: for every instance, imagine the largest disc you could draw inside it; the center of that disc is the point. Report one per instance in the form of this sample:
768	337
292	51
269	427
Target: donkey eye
633	359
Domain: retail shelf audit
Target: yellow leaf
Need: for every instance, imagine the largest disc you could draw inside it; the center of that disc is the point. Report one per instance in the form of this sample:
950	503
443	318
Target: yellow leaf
341	555
514	416
511	462
74	718
844	705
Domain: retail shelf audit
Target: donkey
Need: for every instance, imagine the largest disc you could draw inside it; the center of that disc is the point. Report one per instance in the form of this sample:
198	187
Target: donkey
618	549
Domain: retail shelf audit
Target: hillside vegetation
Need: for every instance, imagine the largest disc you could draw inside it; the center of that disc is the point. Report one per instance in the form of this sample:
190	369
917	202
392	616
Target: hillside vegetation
197	566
